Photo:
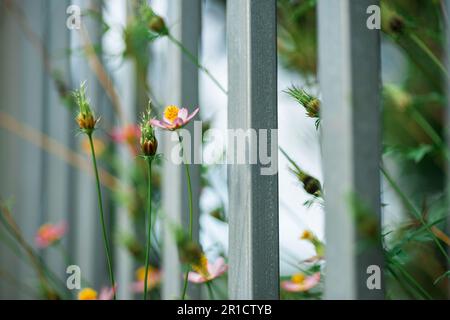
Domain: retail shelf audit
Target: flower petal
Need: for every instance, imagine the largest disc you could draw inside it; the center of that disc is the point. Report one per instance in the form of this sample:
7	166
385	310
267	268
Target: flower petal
159	124
218	268
183	113
195	277
193	114
178	123
137	287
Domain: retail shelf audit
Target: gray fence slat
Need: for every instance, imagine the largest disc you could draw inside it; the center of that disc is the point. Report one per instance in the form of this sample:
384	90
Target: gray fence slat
21	160
125	77
184	19
253	198
60	126
88	243
349	62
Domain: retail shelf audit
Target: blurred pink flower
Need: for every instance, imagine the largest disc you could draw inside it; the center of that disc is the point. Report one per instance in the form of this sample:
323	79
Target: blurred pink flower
48	234
154	278
174	118
107	293
300	283
129	133
209	272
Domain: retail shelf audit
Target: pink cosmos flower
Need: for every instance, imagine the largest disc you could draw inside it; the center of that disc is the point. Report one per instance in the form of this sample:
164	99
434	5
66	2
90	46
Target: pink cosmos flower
207	271
300	283
174	118
48	234
154	278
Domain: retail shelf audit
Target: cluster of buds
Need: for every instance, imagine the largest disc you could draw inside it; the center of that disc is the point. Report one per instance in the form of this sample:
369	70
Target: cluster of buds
86	119
149	144
309	102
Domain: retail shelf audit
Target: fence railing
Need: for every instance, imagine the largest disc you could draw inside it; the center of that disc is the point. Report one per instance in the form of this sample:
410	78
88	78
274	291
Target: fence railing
349	59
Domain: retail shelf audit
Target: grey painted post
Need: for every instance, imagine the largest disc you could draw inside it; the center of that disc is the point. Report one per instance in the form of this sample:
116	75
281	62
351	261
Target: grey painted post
253	197
87	241
22	93
184	17
125	77
349	62
58	123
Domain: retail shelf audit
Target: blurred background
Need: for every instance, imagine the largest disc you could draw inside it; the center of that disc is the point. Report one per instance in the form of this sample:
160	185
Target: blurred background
46	172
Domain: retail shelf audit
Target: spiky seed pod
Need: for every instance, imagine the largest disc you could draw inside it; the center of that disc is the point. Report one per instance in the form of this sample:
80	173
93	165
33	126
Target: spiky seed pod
86	119
313	108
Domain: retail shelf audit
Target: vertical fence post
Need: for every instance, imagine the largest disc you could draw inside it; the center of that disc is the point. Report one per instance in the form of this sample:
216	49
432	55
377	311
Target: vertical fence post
22	98
349	63
253	197
57	123
184	19
87	241
125	79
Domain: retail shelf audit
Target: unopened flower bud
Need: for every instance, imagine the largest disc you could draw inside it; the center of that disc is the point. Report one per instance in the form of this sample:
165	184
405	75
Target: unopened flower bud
157	25
149	146
86	121
311	185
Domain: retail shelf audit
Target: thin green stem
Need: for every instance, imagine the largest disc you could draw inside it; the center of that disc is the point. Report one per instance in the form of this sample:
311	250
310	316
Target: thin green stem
102	218
189	187
413	210
194	60
428	52
411	279
210	290
149	225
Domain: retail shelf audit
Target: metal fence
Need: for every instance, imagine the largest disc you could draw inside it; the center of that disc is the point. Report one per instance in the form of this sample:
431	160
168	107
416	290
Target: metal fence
349	58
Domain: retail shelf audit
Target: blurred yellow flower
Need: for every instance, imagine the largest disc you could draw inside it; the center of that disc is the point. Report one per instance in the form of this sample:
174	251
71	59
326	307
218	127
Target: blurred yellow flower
87	294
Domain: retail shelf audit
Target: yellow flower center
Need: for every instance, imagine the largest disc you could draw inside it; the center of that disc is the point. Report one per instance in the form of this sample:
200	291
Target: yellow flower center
87	294
171	113
298	278
202	266
307	235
